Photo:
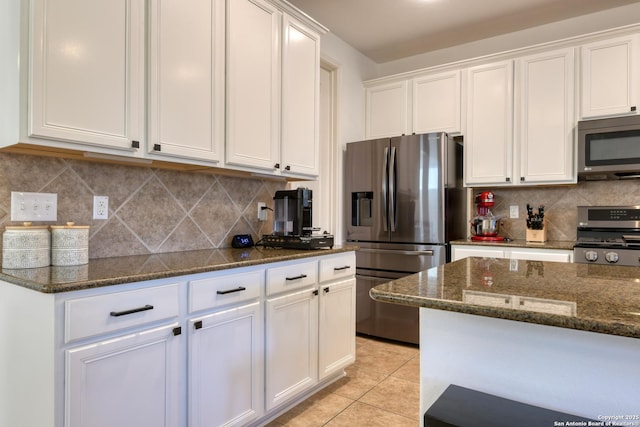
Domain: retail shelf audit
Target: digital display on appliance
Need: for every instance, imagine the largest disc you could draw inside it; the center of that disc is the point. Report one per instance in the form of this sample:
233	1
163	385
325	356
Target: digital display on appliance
614	214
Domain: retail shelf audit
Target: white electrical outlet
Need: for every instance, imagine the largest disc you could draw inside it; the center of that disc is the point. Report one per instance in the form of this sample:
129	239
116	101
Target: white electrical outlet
262	213
100	207
513	212
34	206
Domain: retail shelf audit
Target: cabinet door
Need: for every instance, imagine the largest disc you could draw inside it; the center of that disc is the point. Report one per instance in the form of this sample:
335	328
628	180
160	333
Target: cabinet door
337	326
386	110
300	151
291	345
489	139
436	103
129	381
186	78
225	367
546	122
610	75
88	70
253	84
460	252
542	255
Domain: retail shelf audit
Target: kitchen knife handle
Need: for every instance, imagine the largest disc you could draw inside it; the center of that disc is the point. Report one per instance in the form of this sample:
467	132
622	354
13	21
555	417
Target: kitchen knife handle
133	310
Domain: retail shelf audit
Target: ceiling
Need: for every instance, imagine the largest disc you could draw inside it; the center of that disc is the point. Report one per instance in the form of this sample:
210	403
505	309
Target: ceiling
385	30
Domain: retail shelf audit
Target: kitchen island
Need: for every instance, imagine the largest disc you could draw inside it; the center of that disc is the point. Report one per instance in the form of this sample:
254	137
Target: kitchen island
555	335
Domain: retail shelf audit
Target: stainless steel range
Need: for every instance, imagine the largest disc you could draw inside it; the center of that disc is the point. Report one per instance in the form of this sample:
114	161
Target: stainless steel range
608	235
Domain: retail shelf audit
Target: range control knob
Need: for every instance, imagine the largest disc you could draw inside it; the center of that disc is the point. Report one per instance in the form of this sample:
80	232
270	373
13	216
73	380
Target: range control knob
611	257
591	256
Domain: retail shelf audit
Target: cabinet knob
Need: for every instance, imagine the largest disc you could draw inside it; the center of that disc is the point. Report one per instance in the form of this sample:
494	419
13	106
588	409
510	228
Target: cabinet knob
277	166
177	331
157	147
135	144
633	108
522	179
288	168
507	179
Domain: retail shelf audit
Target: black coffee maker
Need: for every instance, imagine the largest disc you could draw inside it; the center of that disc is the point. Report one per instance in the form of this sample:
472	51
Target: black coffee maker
292	225
292	212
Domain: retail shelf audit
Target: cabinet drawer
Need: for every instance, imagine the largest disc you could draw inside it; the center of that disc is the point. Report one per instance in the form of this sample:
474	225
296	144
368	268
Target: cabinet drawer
90	316
292	277
338	267
224	290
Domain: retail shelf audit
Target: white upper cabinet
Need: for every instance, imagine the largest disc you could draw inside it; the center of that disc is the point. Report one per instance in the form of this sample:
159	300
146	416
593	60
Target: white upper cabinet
386	110
186	79
273	78
488	144
300	98
545	107
610	78
529	141
428	102
436	103
87	64
253	84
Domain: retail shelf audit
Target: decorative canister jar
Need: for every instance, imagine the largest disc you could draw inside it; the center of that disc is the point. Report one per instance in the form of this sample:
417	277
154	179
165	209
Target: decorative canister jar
69	244
26	246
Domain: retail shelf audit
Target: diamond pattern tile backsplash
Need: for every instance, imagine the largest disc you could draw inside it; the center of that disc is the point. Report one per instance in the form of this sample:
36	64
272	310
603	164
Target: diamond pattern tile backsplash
156	211
560	204
150	210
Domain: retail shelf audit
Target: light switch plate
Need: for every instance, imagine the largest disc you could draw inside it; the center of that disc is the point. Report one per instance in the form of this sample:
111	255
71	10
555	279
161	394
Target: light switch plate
34	206
513	212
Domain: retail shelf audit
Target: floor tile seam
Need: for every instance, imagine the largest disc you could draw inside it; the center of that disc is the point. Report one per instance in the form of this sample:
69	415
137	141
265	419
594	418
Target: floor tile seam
417	417
386	409
340	412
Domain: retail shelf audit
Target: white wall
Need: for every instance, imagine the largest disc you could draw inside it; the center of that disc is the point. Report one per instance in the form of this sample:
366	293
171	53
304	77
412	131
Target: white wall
599	21
352	69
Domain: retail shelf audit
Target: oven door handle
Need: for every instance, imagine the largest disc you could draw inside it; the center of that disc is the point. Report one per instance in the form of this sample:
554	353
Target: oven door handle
427	252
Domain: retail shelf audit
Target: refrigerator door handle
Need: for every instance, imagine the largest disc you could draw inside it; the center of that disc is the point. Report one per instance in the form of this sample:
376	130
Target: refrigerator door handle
385	177
392	190
394	251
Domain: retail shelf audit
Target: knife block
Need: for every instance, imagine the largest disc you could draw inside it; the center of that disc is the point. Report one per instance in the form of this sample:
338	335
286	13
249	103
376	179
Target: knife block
537	236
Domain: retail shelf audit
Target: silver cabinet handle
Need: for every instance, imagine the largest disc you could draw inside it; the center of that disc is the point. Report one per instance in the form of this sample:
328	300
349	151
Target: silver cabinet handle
392	251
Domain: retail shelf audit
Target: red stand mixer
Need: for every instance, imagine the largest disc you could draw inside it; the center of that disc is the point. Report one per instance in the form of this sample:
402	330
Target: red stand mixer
485	226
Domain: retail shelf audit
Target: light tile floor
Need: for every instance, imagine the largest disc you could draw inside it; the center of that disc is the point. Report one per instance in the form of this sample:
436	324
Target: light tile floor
382	388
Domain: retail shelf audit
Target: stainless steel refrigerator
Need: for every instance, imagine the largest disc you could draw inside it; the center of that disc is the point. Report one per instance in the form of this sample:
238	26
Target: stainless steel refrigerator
405	202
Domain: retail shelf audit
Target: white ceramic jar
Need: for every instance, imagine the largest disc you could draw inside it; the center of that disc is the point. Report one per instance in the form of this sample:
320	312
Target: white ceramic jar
26	246
69	244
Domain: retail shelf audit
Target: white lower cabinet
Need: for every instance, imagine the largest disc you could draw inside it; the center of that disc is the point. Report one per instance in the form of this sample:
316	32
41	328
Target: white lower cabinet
531	254
336	326
224	363
291	345
127	381
232	347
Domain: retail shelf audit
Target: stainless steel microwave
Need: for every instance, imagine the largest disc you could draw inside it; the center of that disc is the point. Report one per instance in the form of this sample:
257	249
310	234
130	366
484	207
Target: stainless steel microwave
609	148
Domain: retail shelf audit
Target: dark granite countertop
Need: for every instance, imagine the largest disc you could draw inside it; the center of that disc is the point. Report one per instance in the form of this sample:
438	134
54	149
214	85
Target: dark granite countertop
596	298
119	270
519	243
